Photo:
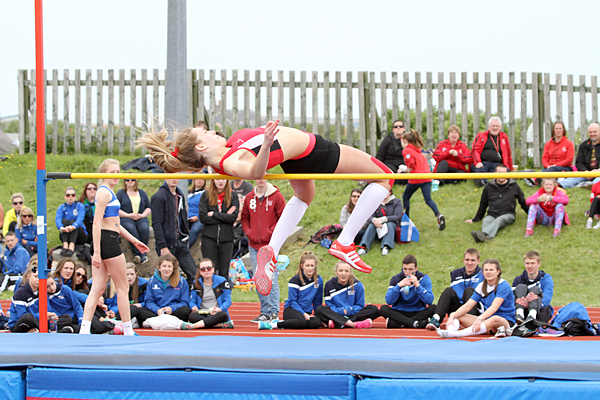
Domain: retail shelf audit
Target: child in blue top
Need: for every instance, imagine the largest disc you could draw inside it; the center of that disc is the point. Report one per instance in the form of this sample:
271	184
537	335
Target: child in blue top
495	297
167	292
305	293
210	299
345	301
69	221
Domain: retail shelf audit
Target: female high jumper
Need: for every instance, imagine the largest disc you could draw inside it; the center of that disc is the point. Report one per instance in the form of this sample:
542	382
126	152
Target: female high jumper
249	153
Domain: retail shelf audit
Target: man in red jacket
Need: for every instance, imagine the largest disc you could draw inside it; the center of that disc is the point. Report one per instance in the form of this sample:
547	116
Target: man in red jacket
262	209
491	148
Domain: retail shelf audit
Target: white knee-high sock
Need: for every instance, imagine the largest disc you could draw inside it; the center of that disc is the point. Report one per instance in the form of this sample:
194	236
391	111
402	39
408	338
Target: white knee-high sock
85	327
290	217
454	333
368	202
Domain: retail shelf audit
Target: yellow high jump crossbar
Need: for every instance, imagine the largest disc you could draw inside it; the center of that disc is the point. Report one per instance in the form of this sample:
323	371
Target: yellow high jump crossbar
358	177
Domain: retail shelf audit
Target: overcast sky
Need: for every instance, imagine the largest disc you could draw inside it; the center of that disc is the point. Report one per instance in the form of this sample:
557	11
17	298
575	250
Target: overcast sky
437	36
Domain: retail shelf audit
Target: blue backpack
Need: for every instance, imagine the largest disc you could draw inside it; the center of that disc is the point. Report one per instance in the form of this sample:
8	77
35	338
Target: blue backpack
574	320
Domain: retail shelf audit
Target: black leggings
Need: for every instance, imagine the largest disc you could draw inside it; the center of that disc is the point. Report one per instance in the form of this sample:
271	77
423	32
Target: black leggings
444	167
294	319
209	320
220	254
326	314
449	302
406	319
26	323
78	236
595	207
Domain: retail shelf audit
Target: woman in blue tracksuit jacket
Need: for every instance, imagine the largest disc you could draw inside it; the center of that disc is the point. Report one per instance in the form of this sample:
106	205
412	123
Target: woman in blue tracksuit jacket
24	308
69	221
63	307
305	293
345	301
167	292
210	298
26	231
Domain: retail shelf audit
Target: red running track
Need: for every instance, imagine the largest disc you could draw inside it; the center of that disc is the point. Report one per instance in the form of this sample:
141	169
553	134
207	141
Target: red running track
242	313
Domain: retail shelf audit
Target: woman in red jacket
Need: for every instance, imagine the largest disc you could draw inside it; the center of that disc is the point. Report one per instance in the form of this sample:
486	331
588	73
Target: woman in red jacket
417	163
558	151
452	155
547	207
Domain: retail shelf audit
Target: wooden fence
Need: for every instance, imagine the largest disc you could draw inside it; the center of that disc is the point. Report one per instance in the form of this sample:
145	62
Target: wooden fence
349	108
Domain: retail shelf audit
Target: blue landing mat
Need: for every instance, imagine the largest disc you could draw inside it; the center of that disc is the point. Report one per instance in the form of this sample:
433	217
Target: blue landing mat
390	358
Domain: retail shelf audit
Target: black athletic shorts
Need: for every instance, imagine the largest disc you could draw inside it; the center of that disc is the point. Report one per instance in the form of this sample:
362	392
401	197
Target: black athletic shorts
110	245
323	159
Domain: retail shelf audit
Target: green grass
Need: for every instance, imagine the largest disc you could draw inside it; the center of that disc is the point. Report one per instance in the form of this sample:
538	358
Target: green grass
570	258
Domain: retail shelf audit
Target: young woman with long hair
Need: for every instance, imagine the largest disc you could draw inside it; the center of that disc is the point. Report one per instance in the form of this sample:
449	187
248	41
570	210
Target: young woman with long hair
250	152
305	293
26	231
88	199
135	209
107	257
495	296
417	163
218	210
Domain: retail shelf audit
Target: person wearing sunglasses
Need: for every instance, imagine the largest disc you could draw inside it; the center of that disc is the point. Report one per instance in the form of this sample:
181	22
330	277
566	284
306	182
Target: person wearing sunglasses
210	299
14	262
390	150
24	309
69	221
134	212
14	214
26	231
88	199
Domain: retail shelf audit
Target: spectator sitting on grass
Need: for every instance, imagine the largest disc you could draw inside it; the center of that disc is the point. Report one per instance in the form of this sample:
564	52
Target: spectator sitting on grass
12	216
499	198
452	155
386	217
547	207
491	148
15	261
26	231
588	159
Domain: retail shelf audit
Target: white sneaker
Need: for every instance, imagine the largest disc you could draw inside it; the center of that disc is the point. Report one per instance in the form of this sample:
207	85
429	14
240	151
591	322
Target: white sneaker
385	251
597	226
501	332
588	224
361	252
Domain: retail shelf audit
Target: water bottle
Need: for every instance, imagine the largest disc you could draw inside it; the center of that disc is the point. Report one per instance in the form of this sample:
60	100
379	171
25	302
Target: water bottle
52	327
435	185
405	289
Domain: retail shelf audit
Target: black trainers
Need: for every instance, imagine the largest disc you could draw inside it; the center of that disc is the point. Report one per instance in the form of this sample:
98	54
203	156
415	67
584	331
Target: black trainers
441	222
261	318
391	324
433	324
479	236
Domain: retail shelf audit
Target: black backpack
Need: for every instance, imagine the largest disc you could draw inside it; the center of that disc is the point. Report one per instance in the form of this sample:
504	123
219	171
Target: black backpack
327	232
578	327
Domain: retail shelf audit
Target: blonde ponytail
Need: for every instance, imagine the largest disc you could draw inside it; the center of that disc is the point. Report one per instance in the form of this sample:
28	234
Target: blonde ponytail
175	155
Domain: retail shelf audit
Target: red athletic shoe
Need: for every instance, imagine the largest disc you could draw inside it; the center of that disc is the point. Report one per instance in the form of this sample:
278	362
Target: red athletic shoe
349	255
266	264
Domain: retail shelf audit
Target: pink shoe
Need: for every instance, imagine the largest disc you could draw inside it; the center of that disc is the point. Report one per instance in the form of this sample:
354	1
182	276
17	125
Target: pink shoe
117	330
266	264
331	324
349	255
366	324
528	233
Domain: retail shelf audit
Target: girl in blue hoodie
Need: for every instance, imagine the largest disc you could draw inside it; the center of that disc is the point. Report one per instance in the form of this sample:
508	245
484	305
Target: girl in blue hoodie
167	292
345	301
305	293
69	221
